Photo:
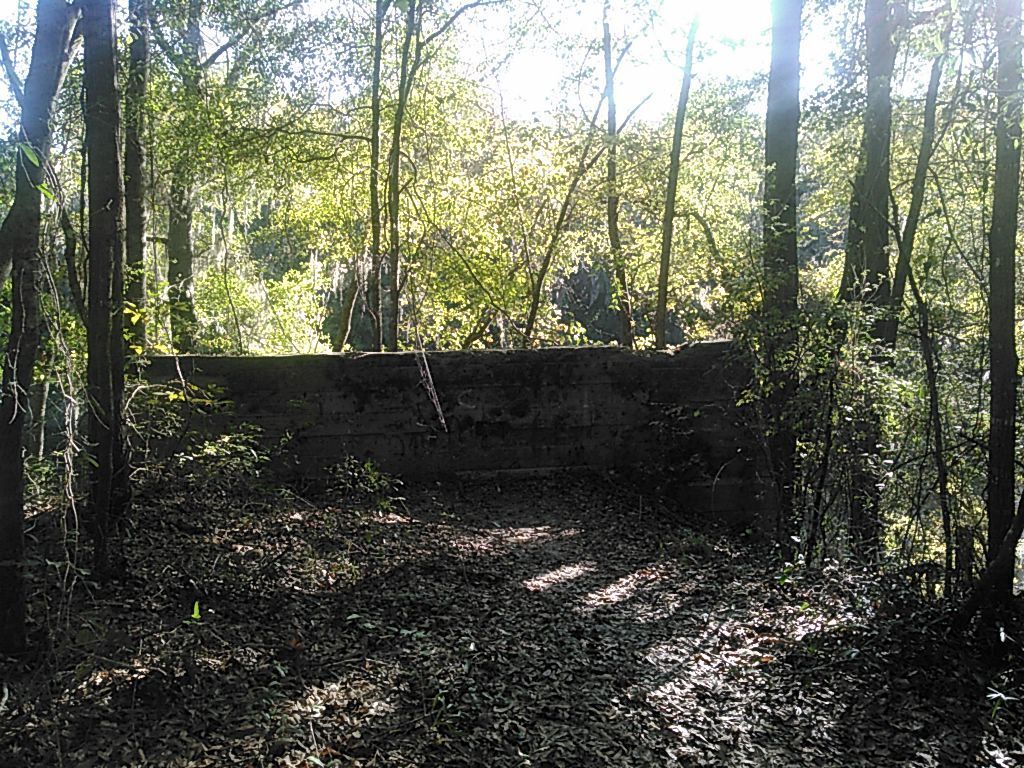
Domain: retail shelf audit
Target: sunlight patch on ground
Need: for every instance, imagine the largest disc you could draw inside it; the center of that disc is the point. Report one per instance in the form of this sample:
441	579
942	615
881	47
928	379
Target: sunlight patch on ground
622	589
503	539
559	575
393	518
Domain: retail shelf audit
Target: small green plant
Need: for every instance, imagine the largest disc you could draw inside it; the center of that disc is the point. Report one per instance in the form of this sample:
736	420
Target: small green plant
355	481
239	454
786	574
998	700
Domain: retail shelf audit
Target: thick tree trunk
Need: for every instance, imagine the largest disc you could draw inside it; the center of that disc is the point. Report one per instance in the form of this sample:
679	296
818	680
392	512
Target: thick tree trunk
612	195
668	220
373	284
781	269
20	236
134	168
866	276
1002	290
866	271
105	369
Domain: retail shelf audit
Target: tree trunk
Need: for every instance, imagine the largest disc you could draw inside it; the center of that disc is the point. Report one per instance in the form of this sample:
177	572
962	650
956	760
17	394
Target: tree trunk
890	324
180	251
373	284
537	288
20	234
612	194
134	169
1002	290
180	258
347	298
391	284
991	587
105	368
668	220
781	270
935	415
866	271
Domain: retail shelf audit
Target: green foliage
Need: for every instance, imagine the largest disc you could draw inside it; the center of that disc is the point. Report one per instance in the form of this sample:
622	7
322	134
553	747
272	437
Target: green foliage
361	483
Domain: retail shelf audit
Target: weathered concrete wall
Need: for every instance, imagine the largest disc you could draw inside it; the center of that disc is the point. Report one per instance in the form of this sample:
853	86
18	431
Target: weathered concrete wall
503	411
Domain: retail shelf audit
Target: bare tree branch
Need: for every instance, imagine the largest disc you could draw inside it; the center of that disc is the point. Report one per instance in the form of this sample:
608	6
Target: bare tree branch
250	25
12	77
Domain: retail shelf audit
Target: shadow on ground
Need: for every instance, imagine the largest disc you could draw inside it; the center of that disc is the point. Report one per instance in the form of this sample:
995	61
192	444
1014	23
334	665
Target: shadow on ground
560	622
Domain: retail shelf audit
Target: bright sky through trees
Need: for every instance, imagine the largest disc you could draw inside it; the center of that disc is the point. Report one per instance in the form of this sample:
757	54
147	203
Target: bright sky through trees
733	42
533	75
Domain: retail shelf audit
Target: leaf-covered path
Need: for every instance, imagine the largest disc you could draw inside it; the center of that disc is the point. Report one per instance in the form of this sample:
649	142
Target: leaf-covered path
563	622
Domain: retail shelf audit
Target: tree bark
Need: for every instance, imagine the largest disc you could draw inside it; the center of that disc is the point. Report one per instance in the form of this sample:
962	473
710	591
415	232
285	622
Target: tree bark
105	368
866	278
20	235
347	299
1002	290
134	169
991	587
781	269
866	273
668	220
890	324
180	264
935	415
390	282
180	250
373	284
612	193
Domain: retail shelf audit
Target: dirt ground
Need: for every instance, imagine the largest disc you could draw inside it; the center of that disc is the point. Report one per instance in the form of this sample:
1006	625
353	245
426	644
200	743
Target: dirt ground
565	621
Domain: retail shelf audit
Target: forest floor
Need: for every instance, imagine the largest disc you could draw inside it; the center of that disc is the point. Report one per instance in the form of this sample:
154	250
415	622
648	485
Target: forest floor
567	621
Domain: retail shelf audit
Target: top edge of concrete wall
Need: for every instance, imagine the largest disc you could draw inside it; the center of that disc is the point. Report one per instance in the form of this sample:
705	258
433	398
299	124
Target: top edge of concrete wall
717	345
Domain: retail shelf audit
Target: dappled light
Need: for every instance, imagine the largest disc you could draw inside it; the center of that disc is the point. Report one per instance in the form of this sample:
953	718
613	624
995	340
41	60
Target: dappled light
558	575
511	383
531	618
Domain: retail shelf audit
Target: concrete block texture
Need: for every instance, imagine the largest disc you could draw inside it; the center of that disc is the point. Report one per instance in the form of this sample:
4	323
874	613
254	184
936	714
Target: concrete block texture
435	414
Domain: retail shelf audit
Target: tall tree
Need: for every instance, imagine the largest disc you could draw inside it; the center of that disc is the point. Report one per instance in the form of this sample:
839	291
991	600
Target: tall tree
781	269
20	237
612	192
191	64
417	50
105	369
669	218
134	167
866	272
866	278
890	323
373	284
180	247
1002	287
904	275
390	279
